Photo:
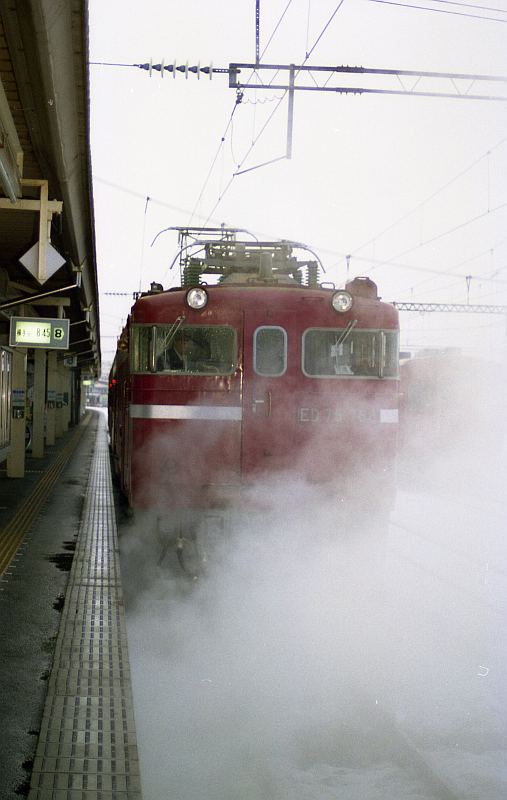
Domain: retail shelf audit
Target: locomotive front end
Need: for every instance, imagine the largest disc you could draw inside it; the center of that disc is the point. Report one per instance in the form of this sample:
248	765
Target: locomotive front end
225	392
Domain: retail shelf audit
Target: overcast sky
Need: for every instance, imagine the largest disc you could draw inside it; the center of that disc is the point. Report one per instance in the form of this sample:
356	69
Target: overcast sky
414	188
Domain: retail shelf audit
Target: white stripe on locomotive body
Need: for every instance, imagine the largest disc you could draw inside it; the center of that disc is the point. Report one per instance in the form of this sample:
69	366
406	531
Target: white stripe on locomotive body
389	415
233	413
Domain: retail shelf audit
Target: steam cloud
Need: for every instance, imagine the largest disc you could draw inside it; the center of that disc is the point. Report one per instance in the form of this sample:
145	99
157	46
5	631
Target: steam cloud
266	677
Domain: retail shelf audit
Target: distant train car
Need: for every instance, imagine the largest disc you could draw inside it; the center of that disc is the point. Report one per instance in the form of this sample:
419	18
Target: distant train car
452	407
265	377
96	394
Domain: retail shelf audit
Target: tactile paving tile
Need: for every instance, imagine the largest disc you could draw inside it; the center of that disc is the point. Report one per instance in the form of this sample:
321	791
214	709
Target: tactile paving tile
87	747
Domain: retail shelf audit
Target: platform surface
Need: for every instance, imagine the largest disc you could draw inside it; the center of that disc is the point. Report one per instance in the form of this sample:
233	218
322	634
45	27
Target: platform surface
87	746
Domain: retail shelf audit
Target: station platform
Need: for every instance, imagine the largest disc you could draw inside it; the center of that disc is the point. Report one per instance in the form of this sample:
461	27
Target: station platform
66	716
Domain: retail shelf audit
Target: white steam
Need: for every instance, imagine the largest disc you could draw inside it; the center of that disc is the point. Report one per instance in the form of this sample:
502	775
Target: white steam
265	678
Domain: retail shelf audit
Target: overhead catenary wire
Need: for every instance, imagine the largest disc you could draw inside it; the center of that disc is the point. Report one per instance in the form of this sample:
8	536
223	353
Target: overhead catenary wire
276	28
487	252
493	278
254	142
460	281
214	161
414	268
109	64
308	25
437	10
142	242
239	98
324	29
154	200
430	197
224	191
447	232
469	5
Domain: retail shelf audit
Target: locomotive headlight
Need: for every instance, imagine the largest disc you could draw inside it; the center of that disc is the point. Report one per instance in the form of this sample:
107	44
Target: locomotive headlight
197	297
342	301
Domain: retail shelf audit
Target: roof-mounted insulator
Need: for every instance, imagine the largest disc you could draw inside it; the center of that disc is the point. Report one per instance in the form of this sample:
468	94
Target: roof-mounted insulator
312	275
183	68
160	68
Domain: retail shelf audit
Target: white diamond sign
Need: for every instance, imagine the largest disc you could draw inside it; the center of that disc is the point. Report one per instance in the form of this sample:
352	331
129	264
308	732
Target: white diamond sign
53	261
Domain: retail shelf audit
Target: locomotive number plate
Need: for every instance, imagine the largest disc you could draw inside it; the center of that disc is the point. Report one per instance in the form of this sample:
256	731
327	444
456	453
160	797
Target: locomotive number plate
308	414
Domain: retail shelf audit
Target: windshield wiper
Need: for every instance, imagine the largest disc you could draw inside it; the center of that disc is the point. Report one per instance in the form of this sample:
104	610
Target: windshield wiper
173	330
168	340
347	331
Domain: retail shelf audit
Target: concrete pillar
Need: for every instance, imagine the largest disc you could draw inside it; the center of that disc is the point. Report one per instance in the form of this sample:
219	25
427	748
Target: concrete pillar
59	400
39	403
67	397
82	396
16	457
51	398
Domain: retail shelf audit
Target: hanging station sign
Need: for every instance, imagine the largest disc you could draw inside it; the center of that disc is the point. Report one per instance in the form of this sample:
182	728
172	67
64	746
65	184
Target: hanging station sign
50	334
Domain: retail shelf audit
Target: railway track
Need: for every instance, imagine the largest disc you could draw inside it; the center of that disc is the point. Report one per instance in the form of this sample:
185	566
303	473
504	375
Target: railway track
476	500
474	578
391	744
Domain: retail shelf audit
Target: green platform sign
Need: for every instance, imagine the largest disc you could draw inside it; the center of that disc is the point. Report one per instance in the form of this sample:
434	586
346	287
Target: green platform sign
50	334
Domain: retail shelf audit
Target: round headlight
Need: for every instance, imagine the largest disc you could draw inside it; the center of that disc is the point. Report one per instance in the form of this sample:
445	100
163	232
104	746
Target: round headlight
342	301
197	297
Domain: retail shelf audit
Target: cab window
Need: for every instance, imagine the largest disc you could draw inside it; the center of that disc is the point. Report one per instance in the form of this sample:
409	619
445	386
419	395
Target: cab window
270	351
186	350
340	352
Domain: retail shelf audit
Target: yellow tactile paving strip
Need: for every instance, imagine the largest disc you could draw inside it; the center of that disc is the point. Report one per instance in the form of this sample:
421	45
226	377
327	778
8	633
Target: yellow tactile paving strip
87	746
15	531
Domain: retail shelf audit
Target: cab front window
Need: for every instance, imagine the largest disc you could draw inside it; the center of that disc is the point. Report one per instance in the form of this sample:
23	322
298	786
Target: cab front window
342	352
185	350
270	351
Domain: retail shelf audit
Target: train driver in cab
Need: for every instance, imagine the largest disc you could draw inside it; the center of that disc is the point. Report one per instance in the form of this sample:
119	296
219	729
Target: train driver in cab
183	355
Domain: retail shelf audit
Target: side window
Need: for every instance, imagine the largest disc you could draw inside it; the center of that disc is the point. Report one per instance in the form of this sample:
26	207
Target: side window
140	351
391	354
270	351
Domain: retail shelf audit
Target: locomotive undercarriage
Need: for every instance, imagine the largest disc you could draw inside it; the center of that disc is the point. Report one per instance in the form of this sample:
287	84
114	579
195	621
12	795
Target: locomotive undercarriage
192	540
199	541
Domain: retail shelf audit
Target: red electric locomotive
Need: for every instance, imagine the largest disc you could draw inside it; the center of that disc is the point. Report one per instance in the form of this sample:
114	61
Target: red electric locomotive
264	376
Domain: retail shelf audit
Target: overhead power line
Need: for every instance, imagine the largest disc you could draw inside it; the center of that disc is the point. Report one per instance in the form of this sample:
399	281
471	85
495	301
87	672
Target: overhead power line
429	270
304	77
429	198
213	162
447	232
238	100
290	112
324	29
469	5
492	277
276	28
442	10
298	74
141	196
